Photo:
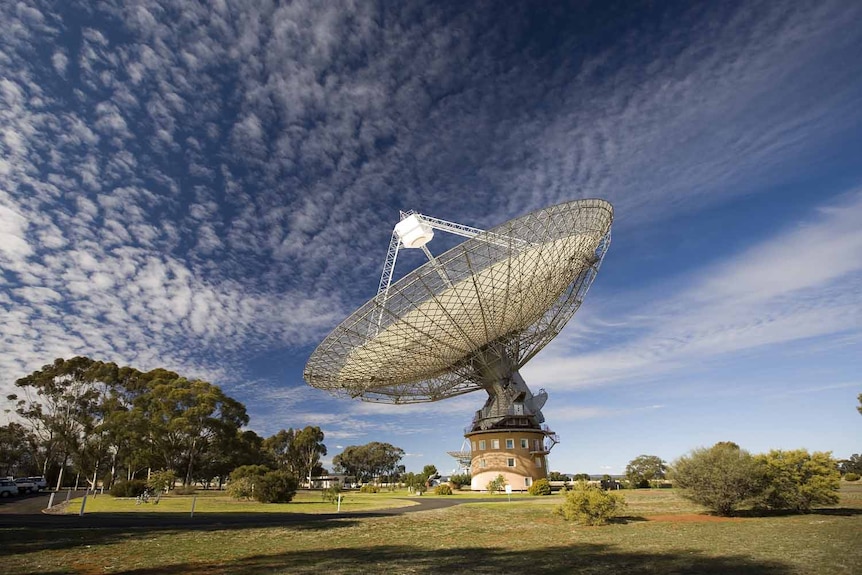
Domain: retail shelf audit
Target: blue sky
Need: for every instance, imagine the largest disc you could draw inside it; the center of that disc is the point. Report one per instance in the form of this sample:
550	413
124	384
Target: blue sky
211	189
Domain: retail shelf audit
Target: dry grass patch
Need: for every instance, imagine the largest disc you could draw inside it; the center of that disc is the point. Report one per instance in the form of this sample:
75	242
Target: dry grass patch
521	537
220	502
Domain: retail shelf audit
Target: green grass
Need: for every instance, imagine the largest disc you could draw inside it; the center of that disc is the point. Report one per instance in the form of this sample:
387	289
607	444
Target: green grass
663	533
220	502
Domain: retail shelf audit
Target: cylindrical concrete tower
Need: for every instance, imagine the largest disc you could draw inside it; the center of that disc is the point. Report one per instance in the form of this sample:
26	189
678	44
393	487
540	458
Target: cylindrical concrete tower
507	436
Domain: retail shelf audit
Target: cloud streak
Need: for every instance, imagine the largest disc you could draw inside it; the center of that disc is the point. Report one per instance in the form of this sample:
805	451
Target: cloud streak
198	187
801	284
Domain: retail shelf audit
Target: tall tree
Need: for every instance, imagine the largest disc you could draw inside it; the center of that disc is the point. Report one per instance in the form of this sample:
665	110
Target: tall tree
62	404
226	453
370	461
645	468
280	447
429	472
91	413
309	448
184	416
18	449
851	465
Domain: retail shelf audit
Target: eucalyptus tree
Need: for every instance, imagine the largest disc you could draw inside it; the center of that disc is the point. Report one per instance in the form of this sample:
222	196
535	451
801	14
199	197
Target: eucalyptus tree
63	405
281	449
308	449
369	461
90	412
18	450
184	417
226	453
645	468
297	452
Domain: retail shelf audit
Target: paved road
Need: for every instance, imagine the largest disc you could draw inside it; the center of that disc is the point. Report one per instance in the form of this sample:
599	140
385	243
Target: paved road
22	513
33	503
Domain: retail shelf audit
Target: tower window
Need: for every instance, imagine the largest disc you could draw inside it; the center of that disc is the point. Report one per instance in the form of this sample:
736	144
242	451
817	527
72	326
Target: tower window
524	443
482	445
510	462
510	444
495	444
481	463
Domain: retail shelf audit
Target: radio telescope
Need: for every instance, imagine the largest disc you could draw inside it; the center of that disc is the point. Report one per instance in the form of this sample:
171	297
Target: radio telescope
468	320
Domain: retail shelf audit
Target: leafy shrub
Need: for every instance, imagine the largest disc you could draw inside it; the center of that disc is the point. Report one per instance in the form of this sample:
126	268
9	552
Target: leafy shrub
590	505
131	488
242	488
496	484
330	494
722	477
369	488
276	487
540	487
851	476
162	480
253	471
244	479
443	489
460	480
415	482
185	490
798	480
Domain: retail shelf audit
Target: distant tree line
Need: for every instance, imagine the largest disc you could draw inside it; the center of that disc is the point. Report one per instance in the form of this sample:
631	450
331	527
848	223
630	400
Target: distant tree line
111	423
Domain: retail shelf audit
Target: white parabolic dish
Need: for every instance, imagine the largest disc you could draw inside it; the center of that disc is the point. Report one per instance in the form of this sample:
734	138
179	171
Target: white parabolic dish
500	296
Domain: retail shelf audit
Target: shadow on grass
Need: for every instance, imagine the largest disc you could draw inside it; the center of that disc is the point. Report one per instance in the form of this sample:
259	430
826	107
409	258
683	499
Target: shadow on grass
123	527
833	511
581	558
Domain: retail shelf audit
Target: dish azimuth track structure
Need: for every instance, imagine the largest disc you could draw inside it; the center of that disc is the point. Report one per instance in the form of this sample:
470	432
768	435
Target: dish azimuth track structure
468	320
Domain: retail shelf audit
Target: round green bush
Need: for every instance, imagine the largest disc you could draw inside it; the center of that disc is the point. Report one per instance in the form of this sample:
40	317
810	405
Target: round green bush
369	488
244	480
589	505
131	488
242	488
851	476
276	487
443	489
540	487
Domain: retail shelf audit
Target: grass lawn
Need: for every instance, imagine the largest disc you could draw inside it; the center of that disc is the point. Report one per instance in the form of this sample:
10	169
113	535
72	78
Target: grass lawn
220	502
663	533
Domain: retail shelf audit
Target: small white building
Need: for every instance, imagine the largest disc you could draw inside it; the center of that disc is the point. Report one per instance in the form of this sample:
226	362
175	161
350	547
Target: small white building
327	481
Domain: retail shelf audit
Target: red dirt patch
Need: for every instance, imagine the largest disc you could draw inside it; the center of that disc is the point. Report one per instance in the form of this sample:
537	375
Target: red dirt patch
690	518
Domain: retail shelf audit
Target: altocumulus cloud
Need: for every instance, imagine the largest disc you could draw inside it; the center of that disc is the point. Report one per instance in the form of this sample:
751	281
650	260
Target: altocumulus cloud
185	185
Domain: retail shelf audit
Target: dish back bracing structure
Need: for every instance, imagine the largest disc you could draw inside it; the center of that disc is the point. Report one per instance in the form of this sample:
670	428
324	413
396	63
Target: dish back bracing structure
470	318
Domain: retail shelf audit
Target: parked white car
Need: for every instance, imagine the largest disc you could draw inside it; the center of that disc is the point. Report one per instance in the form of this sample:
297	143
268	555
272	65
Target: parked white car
8	488
26	485
41	482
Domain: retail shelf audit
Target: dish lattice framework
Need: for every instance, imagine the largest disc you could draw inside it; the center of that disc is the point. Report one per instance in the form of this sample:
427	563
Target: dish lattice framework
496	298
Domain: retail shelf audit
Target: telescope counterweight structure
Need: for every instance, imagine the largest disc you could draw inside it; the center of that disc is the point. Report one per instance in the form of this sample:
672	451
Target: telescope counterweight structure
468	320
